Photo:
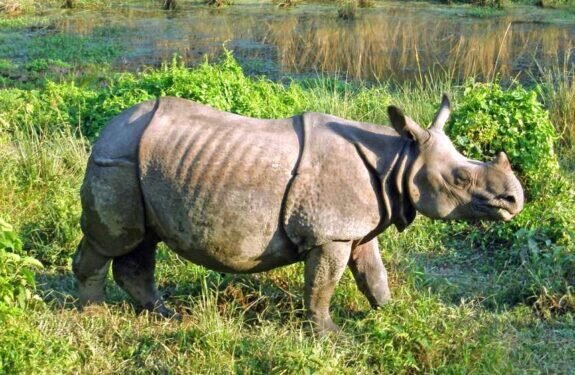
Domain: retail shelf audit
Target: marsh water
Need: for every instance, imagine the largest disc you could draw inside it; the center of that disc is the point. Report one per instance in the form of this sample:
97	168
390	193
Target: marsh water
389	41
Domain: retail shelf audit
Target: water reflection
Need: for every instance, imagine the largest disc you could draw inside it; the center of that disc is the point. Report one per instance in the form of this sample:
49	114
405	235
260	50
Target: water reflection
388	42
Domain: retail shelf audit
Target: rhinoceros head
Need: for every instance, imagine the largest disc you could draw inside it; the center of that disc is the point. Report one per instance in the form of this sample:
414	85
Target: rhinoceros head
444	184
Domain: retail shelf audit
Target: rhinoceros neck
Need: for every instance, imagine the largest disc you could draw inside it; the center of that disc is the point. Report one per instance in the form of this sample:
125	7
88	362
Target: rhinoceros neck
391	157
403	211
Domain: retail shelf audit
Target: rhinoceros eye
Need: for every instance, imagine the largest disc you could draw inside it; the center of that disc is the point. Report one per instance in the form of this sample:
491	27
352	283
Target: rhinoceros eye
461	177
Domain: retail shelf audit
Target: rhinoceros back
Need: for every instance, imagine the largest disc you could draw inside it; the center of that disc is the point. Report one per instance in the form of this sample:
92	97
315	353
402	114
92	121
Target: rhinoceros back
213	184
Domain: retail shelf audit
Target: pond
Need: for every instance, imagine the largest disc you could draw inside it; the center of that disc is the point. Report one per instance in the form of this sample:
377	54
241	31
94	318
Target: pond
390	41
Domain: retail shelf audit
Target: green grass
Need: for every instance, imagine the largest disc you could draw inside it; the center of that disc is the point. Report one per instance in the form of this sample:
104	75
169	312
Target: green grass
486	298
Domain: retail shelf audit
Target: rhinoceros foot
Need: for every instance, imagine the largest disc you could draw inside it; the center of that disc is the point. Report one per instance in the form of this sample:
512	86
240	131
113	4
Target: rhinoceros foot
323	327
160	310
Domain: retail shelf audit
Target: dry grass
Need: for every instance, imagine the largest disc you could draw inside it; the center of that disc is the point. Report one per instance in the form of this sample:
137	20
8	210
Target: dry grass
366	3
287	3
218	3
558	93
392	48
347	10
11	7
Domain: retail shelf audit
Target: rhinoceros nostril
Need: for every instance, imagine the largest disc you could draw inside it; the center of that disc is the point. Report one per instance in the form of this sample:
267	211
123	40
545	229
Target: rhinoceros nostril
509	199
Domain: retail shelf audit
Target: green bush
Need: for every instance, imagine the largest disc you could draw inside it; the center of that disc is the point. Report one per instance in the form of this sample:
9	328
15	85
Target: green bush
17	282
490	119
536	251
222	85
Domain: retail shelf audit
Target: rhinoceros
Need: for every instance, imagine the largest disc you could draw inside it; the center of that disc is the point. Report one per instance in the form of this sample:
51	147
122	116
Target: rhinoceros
243	195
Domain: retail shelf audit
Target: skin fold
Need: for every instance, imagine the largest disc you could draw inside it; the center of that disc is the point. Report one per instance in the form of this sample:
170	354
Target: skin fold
244	195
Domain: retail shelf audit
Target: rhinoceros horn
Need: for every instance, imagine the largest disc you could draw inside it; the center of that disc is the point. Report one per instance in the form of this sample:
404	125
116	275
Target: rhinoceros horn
502	162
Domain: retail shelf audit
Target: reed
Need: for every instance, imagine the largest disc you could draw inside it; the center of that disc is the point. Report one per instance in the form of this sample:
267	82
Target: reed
558	92
347	9
218	3
366	3
287	3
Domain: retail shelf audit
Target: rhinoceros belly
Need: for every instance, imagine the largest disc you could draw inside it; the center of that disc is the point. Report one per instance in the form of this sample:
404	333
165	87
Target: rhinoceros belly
213	185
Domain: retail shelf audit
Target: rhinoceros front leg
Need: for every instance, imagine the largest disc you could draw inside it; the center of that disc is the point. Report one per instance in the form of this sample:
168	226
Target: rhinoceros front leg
324	266
369	273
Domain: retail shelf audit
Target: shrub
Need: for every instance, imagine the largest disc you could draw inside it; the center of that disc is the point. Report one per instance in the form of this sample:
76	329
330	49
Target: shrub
568	4
222	85
492	3
491	119
534	252
17	282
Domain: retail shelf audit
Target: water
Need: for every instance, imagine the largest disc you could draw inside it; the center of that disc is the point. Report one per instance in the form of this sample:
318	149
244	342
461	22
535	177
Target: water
393	40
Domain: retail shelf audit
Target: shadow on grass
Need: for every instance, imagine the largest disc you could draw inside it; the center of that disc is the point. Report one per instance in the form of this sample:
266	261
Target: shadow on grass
256	295
461	276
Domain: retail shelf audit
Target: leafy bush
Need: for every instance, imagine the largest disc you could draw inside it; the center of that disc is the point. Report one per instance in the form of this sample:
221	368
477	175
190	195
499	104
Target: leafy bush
222	85
17	282
491	119
536	251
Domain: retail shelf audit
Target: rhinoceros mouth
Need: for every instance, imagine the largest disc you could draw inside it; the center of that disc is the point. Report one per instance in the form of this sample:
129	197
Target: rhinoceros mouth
502	211
504	214
495	210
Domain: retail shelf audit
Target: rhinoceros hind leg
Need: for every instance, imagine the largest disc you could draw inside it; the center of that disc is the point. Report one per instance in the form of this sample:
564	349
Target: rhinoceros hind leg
324	266
91	269
370	274
134	272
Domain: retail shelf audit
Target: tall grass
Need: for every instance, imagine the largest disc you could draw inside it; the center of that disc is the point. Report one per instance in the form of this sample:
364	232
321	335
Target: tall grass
559	94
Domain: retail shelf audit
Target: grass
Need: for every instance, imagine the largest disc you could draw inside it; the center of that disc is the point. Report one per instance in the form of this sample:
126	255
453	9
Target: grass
347	9
482	299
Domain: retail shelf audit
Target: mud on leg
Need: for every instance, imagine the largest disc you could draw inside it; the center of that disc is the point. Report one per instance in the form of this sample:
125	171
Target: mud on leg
91	269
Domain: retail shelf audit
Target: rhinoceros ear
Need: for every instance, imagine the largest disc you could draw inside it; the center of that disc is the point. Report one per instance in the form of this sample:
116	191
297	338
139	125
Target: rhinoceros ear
442	114
405	126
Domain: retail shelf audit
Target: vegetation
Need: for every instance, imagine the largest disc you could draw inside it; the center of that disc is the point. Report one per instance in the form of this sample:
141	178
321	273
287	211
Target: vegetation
16	7
287	3
218	3
347	9
467	297
366	3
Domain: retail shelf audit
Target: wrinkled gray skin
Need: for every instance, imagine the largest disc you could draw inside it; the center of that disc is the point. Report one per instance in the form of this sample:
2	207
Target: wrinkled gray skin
242	195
